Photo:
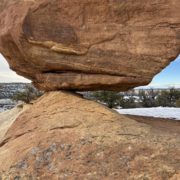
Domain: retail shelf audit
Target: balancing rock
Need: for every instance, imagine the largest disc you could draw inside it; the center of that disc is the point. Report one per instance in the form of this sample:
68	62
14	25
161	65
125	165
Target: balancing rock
89	44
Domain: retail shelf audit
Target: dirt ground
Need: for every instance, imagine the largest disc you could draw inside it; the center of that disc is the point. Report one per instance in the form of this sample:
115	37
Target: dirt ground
162	124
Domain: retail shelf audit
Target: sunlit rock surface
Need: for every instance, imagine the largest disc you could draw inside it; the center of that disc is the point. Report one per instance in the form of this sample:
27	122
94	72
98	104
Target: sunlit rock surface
63	136
89	45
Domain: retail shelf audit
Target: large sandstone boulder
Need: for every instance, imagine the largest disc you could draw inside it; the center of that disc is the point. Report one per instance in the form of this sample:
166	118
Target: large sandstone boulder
63	136
89	44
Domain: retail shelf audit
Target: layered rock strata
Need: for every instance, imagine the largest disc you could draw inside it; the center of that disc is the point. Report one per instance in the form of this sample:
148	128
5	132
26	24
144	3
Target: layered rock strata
89	45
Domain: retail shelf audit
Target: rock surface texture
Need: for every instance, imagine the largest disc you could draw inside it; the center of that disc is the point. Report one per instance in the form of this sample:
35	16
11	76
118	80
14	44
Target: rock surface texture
89	44
81	139
8	117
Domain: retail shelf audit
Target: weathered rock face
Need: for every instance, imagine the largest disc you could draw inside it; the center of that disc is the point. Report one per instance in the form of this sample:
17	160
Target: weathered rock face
8	117
81	139
89	44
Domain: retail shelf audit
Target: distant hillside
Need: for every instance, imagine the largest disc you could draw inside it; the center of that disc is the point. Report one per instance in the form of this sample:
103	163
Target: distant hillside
7	90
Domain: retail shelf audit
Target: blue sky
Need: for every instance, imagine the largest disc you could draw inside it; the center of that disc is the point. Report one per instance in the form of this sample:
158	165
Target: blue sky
170	76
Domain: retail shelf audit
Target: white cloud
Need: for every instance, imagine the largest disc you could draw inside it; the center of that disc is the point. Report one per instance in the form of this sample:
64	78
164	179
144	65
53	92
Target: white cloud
7	75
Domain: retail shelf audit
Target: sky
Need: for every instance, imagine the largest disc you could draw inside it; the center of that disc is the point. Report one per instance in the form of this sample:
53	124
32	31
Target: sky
7	75
170	76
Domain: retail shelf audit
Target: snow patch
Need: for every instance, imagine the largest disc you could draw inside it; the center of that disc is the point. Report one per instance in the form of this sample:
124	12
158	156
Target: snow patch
1	110
160	112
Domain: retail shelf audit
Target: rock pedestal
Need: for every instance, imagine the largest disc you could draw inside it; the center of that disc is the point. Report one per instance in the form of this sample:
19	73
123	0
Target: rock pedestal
89	44
63	136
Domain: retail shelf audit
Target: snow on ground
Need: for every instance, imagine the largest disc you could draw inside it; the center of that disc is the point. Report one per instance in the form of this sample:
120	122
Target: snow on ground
6	101
1	110
161	112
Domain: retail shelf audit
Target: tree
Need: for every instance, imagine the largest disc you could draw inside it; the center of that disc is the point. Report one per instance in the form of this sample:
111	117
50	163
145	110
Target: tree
108	98
148	99
30	93
115	99
168	98
127	100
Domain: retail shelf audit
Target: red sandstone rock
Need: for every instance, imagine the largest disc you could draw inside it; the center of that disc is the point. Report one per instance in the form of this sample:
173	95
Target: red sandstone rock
63	136
89	44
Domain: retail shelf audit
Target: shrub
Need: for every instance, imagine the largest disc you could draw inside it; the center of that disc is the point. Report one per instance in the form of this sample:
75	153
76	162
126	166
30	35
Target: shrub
115	99
168	98
127	102
30	93
108	98
148	99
